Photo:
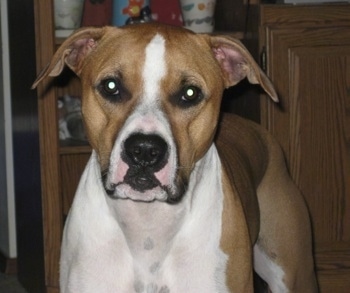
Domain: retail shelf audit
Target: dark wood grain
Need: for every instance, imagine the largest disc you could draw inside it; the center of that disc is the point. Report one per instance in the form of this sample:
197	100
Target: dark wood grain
308	52
48	125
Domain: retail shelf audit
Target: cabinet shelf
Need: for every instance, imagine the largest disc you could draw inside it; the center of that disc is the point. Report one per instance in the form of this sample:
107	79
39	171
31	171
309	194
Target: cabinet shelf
69	150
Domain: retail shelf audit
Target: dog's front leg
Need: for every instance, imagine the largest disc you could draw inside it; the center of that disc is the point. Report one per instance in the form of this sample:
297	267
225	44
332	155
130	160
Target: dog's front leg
235	241
94	255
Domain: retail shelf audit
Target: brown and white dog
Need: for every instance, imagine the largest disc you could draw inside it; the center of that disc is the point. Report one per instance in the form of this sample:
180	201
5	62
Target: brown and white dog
175	197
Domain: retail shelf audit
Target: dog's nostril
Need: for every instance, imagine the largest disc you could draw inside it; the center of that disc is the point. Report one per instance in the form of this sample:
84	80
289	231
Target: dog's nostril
145	150
137	151
144	155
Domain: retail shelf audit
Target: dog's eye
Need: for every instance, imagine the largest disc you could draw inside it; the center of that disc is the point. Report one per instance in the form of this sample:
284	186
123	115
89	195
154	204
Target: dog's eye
113	90
110	87
190	93
190	96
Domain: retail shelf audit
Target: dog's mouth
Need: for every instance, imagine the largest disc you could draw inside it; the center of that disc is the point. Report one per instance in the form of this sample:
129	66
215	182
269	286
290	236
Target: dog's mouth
141	187
141	180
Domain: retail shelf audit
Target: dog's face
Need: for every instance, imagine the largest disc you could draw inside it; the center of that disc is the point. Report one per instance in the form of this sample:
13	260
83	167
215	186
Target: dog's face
151	100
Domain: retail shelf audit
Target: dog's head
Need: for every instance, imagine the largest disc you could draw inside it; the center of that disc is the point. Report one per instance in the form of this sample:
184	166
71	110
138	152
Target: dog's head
151	96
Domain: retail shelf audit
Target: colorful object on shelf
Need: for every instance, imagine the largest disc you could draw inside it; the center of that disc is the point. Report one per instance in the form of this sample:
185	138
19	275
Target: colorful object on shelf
145	16
198	15
134	8
130	11
97	13
168	12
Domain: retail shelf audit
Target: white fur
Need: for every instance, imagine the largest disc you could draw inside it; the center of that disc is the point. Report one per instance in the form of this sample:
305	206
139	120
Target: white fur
127	246
92	247
269	271
154	68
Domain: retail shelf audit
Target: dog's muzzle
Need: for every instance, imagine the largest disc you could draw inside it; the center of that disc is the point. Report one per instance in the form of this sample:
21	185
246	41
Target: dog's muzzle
143	168
145	154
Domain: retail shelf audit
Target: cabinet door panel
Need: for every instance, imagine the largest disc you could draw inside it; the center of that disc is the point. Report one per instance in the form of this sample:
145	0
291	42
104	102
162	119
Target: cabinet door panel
318	146
310	67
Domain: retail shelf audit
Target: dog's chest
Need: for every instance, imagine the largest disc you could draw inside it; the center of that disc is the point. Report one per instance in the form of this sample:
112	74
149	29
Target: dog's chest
149	231
171	250
125	246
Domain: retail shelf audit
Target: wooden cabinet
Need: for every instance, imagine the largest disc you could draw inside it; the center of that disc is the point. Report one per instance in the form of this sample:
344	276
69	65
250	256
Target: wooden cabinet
308	58
61	165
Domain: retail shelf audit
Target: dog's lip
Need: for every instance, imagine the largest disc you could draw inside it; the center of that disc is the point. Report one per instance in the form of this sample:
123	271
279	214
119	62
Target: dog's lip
141	182
168	196
138	180
122	191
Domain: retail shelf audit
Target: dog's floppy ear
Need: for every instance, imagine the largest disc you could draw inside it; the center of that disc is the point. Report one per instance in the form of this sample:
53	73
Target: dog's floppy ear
237	64
72	52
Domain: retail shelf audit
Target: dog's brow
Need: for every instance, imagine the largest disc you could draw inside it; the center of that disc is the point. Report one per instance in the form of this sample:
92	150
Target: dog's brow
154	68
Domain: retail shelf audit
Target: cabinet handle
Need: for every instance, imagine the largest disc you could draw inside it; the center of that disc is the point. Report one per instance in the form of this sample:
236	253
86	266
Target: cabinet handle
263	59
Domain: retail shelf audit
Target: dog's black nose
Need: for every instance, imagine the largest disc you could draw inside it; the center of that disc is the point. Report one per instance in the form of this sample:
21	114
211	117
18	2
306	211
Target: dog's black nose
145	154
148	151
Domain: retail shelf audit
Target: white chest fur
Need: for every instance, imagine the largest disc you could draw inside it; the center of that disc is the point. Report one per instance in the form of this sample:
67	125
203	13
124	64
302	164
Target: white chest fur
125	246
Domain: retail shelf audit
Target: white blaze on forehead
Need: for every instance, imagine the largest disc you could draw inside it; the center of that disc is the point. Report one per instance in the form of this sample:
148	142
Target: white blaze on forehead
155	67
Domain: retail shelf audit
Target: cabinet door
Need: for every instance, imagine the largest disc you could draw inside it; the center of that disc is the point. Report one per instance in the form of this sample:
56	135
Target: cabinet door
308	58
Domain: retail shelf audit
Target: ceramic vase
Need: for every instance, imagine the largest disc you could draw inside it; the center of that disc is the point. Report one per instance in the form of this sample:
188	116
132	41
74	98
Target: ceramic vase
68	14
198	15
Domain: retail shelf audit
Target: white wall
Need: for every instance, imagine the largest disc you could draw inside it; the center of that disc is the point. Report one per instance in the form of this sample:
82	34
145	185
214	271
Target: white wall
7	195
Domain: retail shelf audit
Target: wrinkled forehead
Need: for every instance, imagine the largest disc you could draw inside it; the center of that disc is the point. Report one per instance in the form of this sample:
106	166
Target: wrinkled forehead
154	65
150	52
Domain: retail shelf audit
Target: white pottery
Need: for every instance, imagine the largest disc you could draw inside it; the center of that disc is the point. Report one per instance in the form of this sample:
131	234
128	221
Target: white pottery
68	13
198	15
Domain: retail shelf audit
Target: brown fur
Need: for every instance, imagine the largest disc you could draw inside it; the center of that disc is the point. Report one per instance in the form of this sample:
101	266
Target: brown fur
235	237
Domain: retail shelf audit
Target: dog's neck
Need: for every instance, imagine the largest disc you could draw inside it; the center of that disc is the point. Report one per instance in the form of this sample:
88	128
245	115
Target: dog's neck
153	241
150	228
